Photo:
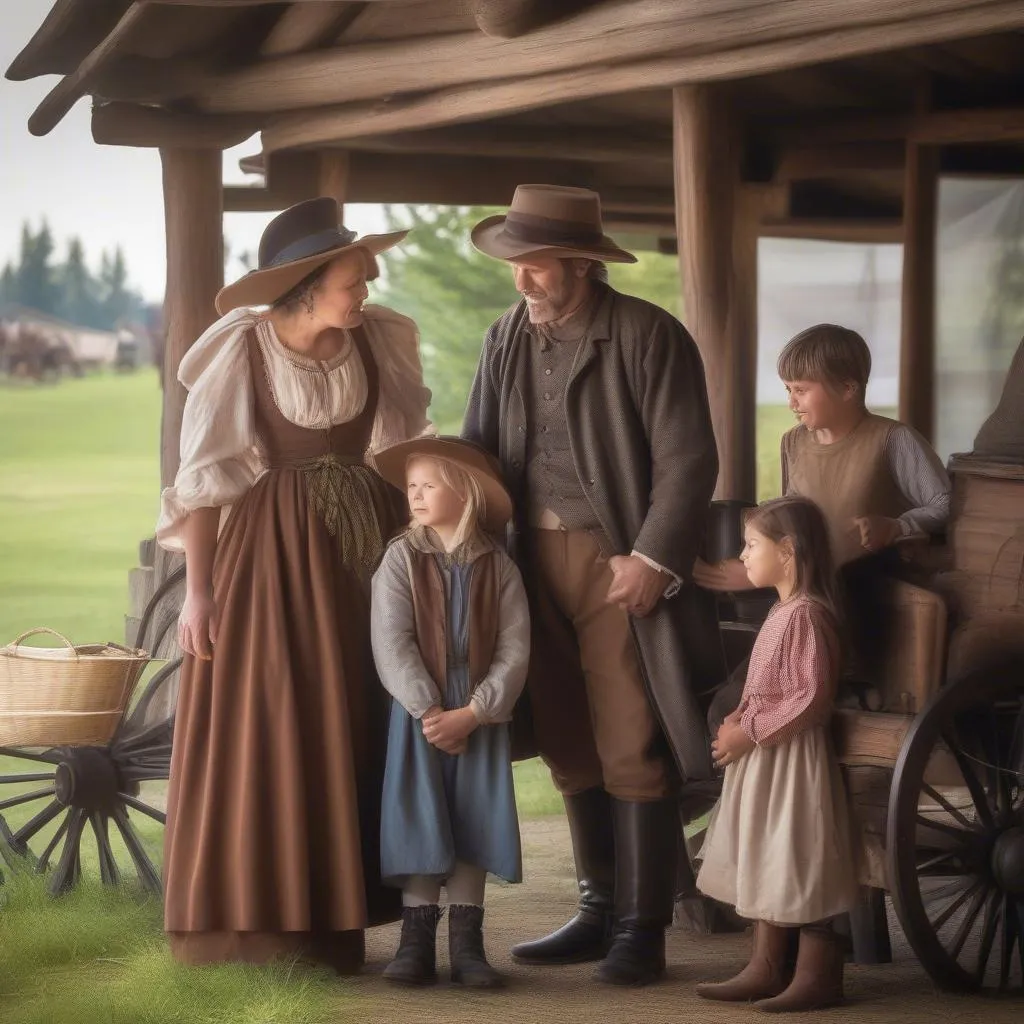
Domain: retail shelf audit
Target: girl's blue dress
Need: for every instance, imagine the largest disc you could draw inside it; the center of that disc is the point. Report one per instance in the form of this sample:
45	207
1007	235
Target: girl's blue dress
441	808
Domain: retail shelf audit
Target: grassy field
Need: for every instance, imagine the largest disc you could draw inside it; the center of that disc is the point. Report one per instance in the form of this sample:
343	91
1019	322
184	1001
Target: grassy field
79	484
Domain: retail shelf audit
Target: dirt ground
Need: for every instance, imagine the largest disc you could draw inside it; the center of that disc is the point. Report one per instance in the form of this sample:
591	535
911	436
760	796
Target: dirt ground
900	991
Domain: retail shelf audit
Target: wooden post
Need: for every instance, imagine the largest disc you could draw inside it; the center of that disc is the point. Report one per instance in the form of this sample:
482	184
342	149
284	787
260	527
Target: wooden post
917	342
334	176
195	273
718	264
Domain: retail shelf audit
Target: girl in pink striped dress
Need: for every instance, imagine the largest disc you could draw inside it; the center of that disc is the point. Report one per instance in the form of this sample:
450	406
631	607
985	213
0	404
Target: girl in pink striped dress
779	847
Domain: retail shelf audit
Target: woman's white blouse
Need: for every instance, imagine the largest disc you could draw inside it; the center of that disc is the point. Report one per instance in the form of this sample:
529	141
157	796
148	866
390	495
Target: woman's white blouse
220	455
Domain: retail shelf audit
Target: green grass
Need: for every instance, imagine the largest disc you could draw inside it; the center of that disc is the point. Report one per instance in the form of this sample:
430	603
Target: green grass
97	955
79	465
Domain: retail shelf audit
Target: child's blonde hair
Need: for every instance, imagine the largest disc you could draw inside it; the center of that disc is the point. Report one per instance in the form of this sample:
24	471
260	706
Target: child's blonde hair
465	486
827	354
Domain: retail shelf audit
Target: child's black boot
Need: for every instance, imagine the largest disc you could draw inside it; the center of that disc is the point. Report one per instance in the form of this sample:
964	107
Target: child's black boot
415	963
466	948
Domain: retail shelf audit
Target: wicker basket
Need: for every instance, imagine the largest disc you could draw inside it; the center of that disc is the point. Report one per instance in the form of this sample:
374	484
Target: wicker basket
65	696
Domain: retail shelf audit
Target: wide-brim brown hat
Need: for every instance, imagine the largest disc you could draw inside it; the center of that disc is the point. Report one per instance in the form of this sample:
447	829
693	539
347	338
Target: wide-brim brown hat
555	220
296	242
390	463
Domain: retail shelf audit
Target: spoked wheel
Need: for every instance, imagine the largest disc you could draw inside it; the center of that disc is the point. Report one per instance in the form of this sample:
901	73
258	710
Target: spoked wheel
956	833
70	792
64	794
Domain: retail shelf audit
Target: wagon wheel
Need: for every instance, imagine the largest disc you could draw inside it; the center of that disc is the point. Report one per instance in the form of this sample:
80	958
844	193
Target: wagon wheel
70	791
956	832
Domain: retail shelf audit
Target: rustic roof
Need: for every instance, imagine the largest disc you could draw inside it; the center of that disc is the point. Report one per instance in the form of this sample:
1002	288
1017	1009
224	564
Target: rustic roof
457	100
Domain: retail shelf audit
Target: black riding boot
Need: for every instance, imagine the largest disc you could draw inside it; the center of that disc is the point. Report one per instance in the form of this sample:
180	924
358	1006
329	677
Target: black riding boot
588	934
646	850
415	963
466	948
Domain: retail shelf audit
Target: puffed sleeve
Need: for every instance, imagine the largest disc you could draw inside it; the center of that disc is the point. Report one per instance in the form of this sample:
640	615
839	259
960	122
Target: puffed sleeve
402	409
496	694
219	459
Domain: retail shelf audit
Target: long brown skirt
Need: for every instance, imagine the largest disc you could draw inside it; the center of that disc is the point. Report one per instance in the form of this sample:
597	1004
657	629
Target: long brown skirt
273	810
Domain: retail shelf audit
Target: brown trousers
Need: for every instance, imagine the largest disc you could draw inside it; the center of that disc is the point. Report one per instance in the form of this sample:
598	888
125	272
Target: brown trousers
592	719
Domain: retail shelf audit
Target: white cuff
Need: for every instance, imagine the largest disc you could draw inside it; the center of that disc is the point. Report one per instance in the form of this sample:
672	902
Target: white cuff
673	588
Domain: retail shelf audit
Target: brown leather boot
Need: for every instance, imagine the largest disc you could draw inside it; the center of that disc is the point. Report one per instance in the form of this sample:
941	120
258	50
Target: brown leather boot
765	975
818	981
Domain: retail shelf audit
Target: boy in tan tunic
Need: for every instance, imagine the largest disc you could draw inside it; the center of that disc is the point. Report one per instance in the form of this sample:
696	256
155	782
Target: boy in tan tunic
877	481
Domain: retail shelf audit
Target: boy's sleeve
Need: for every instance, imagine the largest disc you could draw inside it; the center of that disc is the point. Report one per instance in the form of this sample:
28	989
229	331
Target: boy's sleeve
922	479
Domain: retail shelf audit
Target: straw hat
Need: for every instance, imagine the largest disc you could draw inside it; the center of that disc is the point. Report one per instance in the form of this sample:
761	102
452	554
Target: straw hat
390	462
552	219
296	242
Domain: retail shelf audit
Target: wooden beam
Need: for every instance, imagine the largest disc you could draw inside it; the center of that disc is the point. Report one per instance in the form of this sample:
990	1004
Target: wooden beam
71	29
929	128
807	162
508	19
917	340
521	140
478	101
335	173
445	180
195	273
718	266
868	232
641	29
304	26
125	124
69	90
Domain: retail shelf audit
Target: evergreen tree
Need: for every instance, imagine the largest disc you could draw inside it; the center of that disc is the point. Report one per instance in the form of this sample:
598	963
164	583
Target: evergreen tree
118	302
8	285
78	290
35	277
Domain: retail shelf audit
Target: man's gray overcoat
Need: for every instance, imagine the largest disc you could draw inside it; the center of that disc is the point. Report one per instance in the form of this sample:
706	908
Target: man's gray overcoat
644	450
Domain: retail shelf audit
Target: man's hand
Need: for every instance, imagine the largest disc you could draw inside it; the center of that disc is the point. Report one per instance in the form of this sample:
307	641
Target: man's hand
877	532
636	586
448	730
730	744
722	576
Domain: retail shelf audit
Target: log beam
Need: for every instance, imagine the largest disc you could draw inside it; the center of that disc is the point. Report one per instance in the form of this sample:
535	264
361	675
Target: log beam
864	232
305	26
126	124
917	339
331	124
798	163
641	29
927	128
718	265
335	174
195	273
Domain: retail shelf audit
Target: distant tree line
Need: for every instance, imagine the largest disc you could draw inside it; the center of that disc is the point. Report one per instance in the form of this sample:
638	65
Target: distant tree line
69	289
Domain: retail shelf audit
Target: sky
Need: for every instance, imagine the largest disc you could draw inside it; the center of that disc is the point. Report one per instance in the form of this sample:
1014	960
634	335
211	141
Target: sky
106	195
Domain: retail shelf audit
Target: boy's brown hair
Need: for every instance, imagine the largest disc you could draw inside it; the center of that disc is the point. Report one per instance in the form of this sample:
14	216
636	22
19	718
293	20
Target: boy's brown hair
829	355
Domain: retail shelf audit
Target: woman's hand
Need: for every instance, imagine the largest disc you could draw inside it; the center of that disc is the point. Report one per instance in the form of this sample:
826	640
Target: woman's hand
449	730
730	574
730	744
197	625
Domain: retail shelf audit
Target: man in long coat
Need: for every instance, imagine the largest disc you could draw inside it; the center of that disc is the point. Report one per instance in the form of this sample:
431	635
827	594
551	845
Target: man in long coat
596	405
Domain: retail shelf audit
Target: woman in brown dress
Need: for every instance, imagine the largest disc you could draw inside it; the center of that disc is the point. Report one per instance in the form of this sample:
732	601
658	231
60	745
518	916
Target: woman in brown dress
274	799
